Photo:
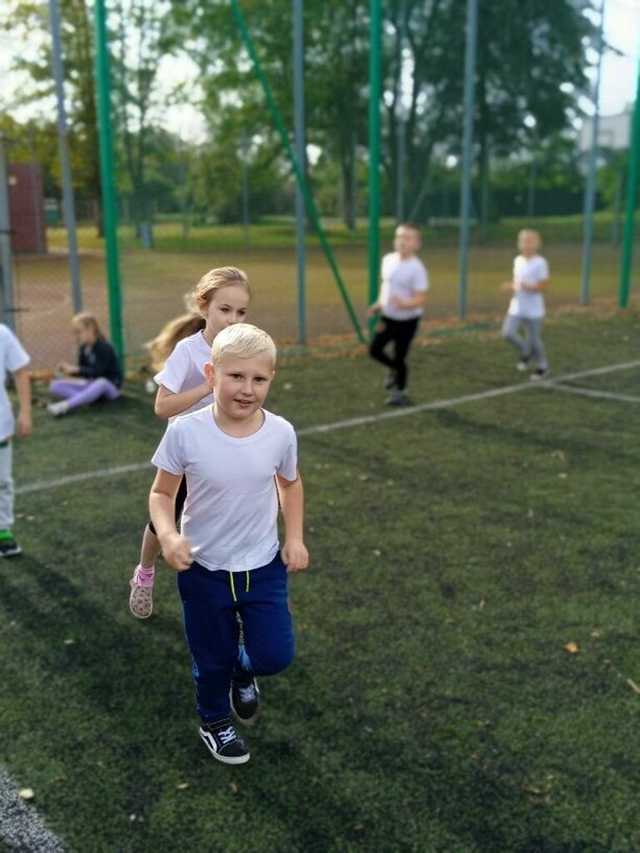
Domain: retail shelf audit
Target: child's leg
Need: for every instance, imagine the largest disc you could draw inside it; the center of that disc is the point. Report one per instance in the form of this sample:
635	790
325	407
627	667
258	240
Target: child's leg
510	333
268	627
141	595
383	335
67	388
404	334
537	347
6	486
212	634
93	391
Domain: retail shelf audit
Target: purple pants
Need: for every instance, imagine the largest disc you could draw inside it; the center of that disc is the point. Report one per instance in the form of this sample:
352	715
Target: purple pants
81	392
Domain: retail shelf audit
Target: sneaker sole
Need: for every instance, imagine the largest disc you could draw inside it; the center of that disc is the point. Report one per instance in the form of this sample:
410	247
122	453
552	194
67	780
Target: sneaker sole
241	759
250	721
132	597
15	553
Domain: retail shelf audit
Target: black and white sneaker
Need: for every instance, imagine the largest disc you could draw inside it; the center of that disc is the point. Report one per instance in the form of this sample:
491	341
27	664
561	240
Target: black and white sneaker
9	547
223	742
523	365
398	398
244	696
539	374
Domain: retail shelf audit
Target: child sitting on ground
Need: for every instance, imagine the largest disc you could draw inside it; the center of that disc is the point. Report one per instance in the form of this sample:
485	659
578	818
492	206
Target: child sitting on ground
96	375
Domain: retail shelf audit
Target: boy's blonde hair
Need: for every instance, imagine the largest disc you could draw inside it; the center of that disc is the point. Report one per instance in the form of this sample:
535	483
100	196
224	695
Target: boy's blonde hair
530	232
213	281
242	340
84	318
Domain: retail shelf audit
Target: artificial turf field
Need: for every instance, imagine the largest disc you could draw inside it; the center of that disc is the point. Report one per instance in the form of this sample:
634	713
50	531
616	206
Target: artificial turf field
432	705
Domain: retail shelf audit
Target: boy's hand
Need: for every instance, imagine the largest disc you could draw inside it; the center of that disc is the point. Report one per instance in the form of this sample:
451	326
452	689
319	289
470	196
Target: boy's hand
373	310
23	426
295	555
507	286
68	369
176	550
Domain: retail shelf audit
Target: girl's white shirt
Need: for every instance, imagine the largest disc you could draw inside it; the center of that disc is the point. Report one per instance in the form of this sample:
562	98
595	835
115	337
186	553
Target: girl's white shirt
184	369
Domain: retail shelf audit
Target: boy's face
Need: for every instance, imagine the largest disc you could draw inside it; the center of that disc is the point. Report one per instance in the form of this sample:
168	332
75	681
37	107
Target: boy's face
85	335
240	385
528	242
406	240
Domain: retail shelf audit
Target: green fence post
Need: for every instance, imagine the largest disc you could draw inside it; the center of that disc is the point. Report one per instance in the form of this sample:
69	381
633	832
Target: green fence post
310	205
632	195
375	61
109	210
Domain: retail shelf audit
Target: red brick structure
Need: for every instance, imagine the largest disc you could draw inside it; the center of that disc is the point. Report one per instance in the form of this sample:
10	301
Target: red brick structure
26	208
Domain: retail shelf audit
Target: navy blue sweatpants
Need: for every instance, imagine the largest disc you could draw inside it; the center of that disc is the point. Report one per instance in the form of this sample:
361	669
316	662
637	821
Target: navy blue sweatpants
210	601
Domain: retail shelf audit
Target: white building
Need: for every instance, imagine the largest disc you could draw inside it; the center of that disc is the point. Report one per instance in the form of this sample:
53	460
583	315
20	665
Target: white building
613	132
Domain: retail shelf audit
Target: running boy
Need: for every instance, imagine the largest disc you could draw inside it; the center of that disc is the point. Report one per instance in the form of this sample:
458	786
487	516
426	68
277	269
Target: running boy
530	280
220	298
404	284
13	359
238	459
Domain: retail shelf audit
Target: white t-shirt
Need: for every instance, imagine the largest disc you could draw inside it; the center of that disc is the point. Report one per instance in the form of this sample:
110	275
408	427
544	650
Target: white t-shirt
405	279
183	370
528	271
13	356
231	512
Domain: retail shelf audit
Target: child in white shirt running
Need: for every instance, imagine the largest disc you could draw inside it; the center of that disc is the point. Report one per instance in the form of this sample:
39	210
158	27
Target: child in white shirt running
527	309
400	306
15	360
240	462
222	298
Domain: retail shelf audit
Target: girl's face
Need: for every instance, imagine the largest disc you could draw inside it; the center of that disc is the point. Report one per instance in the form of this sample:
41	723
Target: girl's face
85	334
227	306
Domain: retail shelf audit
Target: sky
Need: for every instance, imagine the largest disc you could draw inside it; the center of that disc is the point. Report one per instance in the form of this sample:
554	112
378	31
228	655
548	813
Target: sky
617	88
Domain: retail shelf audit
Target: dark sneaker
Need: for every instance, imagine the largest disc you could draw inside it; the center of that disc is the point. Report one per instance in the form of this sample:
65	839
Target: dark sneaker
244	696
9	547
390	380
539	374
223	742
397	398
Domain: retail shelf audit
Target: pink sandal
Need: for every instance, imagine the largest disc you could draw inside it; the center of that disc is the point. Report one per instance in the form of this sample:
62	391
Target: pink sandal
141	596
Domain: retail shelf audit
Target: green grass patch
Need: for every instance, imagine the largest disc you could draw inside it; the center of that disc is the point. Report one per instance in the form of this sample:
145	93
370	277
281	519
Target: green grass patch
432	706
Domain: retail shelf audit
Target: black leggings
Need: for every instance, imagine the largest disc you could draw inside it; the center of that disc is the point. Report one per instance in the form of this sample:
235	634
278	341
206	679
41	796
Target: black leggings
180	499
401	332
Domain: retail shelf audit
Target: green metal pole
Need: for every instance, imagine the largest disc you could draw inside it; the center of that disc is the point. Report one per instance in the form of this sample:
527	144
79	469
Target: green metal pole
375	62
107	171
632	195
310	205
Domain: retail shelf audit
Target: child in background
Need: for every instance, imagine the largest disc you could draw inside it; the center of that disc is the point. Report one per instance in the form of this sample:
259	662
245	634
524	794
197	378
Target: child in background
13	359
240	462
527	309
400	305
222	297
96	375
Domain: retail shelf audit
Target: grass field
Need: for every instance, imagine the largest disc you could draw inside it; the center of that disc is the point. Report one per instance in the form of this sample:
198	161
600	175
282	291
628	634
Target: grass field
432	705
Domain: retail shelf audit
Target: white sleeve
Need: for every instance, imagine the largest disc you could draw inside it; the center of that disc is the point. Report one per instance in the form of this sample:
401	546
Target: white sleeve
17	356
288	467
175	370
168	457
421	278
543	270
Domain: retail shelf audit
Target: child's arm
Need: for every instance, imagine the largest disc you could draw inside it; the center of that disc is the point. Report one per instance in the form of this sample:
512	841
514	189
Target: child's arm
538	287
175	548
416	301
22	378
374	309
168	404
294	552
